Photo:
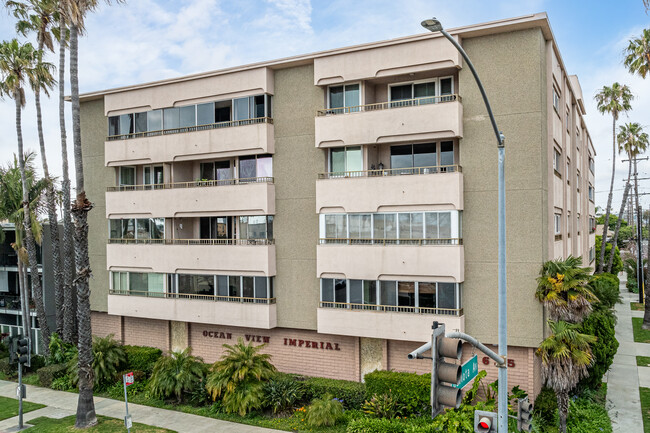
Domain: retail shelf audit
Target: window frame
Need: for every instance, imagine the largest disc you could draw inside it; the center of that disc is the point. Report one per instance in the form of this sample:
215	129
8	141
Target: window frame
435	80
558	223
351	83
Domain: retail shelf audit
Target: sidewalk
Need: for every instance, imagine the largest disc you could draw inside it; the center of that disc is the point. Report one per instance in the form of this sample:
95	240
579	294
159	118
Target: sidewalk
61	404
624	378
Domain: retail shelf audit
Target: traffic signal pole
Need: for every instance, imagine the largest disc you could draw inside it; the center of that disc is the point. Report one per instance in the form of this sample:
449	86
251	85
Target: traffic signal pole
20	396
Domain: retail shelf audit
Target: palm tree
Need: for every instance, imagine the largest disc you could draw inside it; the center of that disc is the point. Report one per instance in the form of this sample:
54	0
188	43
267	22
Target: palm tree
563	288
614	100
75	12
633	141
38	16
17	66
566	355
637	54
176	374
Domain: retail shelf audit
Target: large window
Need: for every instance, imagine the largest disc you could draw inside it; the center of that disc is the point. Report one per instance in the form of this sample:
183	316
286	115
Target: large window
195	284
141	284
256	227
153	176
254	166
408	294
410	158
220	171
344	96
216	227
346	159
424	92
126	176
441	227
140	228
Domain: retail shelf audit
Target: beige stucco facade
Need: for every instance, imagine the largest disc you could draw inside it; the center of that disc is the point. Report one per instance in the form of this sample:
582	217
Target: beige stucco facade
525	79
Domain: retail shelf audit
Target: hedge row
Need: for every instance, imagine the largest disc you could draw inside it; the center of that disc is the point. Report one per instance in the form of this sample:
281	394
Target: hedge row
141	358
353	394
410	389
47	374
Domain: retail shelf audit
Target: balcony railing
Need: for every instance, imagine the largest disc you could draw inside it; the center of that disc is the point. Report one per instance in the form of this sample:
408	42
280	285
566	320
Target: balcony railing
393	308
428	100
218	125
357	241
192	184
192	241
171	295
392	172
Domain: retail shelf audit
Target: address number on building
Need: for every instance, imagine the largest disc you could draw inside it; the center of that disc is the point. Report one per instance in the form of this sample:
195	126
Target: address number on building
511	362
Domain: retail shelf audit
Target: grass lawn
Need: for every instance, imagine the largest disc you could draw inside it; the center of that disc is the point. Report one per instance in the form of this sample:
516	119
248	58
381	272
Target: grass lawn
9	407
640	335
105	425
644	393
643	361
637	306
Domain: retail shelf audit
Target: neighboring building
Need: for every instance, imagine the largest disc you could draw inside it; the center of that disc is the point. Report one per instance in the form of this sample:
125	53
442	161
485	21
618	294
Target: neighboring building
10	305
333	205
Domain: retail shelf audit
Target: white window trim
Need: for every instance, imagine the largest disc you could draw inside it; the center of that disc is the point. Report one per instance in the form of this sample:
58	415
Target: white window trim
119	174
558	223
352	83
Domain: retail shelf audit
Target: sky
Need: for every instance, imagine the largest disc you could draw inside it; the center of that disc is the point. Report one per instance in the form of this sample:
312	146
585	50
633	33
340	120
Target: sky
147	40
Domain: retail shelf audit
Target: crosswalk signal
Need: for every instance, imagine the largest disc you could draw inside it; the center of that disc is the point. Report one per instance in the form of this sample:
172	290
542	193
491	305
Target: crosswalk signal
524	415
22	350
485	422
444	372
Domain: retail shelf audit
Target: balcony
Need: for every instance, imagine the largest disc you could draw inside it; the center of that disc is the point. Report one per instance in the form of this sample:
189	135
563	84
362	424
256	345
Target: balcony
254	196
254	257
357	191
392	259
213	310
217	140
430	118
384	321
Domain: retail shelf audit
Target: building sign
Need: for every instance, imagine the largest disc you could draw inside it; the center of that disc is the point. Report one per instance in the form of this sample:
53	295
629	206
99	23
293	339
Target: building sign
291	342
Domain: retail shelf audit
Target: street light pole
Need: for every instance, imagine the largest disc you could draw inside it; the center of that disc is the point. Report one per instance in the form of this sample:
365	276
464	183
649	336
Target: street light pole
434	25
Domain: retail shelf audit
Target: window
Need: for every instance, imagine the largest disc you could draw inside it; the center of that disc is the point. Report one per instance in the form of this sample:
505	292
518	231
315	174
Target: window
256	227
215	227
126	176
568	171
346	159
404	94
578	180
568	222
568	122
592	254
413	155
578	222
556	101
557	161
254	166
202	285
592	224
360	227
153	176
591	192
558	224
154	120
136	283
336	226
591	165
344	96
140	228
205	113
218	170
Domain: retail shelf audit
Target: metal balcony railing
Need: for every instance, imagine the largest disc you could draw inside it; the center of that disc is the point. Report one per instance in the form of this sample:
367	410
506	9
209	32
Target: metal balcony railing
427	100
457	312
192	184
217	125
434	169
194	296
361	241
192	241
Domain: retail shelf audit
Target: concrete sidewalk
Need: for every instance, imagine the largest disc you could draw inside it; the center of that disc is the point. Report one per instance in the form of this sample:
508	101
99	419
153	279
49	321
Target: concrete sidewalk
623	378
61	404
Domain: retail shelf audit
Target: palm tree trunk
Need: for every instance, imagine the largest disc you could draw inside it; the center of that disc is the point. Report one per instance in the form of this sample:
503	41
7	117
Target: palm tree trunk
563	409
69	292
37	290
86	406
620	217
609	201
24	299
51	215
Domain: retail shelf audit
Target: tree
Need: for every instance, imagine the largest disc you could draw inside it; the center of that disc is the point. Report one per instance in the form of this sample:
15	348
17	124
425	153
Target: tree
18	63
613	100
637	54
176	374
632	140
563	288
75	12
566	355
38	16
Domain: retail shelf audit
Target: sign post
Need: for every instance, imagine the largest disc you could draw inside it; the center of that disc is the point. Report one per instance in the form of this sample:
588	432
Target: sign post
468	371
127	379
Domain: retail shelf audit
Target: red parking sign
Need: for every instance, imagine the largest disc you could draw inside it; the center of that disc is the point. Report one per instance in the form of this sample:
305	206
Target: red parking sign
128	379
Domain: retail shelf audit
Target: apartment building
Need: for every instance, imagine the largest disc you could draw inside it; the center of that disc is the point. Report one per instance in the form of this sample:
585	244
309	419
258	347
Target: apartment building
333	205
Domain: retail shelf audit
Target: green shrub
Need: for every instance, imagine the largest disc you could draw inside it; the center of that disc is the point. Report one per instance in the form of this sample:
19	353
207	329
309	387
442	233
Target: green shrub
375	425
601	325
60	351
545	407
36	361
141	358
7	368
325	411
606	289
239	377
588	417
617	264
383	406
632	285
108	355
116	391
49	373
411	390
353	394
282	393
176	374
4	350
62	384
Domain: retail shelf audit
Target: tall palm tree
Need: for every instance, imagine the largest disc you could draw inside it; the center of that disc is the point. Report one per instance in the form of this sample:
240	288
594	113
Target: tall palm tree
614	100
18	67
637	54
38	16
633	141
75	12
566	355
563	288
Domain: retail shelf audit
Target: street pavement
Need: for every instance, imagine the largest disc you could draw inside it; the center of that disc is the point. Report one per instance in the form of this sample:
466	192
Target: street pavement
61	404
624	377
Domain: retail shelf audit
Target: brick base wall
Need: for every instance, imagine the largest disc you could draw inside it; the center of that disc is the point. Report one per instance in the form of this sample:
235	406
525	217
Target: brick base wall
103	324
147	332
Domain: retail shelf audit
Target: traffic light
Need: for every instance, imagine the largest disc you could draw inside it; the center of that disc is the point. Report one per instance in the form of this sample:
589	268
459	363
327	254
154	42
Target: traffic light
444	373
22	350
524	415
485	422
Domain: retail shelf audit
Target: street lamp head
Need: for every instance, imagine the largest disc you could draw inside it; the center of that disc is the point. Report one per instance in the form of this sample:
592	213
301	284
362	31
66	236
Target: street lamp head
433	25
